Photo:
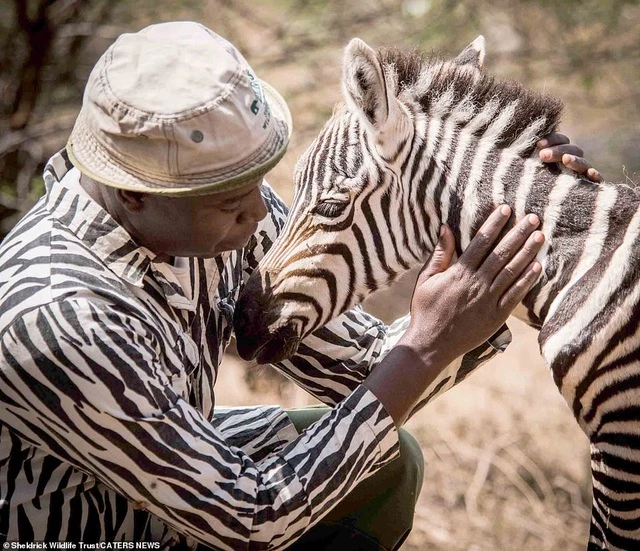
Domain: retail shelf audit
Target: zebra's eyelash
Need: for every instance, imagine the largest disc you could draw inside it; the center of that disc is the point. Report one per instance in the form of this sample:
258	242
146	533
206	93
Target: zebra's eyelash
330	208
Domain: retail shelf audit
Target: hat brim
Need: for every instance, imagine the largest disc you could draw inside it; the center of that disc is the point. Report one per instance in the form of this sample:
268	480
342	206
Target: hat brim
92	159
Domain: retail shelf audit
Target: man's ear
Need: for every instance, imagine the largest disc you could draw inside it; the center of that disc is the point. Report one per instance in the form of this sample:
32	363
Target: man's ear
133	201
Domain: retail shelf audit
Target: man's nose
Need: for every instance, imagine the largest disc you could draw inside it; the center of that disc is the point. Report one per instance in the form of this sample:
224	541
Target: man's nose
256	209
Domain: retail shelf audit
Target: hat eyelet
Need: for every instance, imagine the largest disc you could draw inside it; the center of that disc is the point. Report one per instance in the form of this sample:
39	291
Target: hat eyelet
197	136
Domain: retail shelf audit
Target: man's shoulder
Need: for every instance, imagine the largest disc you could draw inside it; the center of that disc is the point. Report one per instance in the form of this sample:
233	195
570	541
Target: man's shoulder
42	262
25	264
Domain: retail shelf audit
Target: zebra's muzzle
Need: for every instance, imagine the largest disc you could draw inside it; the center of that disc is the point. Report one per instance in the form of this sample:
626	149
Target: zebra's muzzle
270	347
260	333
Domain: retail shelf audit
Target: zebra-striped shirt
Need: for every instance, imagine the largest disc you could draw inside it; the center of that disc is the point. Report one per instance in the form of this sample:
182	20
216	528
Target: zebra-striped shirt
108	362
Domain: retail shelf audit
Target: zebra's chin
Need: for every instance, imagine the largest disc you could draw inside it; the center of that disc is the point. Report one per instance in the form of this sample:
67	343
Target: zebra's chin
276	349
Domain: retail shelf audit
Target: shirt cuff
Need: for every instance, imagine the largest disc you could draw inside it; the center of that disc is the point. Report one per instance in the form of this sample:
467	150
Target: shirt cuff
370	412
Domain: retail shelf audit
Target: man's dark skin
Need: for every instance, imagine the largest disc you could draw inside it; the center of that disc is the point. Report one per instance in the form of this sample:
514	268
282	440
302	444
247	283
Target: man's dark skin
453	308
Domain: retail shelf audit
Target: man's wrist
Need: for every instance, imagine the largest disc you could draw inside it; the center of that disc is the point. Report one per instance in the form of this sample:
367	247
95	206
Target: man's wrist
434	356
401	378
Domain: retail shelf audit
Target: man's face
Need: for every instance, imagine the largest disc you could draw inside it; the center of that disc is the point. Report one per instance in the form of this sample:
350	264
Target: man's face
202	226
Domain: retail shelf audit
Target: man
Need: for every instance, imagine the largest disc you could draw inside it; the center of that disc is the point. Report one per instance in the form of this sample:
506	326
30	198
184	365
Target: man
117	293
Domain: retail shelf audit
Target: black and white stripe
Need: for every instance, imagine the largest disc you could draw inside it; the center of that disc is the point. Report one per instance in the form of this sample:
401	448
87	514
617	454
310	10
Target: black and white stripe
107	423
423	141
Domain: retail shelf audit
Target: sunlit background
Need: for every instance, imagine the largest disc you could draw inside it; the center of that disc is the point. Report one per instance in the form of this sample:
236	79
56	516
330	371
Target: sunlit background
506	465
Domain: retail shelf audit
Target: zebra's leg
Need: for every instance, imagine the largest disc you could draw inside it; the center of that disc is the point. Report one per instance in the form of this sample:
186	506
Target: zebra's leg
615	469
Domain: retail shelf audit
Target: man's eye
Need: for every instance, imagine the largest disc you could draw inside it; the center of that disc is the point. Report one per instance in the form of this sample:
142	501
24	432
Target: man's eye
229	208
330	209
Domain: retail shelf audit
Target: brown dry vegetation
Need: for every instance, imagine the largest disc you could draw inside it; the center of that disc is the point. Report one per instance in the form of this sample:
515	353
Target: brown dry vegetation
506	465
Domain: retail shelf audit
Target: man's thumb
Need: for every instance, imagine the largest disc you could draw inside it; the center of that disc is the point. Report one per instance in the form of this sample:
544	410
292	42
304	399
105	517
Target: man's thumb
440	259
443	253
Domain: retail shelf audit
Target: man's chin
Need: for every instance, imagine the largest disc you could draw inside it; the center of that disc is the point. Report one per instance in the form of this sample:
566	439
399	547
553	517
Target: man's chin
224	248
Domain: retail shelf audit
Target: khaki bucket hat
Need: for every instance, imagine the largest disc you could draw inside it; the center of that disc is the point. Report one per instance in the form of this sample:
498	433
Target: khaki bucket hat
175	109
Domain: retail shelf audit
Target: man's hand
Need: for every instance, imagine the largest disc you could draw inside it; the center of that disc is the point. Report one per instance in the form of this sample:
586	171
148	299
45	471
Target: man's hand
466	303
556	148
456	308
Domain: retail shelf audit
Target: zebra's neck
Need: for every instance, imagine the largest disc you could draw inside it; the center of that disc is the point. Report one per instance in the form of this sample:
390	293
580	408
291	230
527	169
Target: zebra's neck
582	221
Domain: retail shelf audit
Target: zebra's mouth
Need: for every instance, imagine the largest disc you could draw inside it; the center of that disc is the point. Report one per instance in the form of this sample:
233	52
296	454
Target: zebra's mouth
275	348
262	334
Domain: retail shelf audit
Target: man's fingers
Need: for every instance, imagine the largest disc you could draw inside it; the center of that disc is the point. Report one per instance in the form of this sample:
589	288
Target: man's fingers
555	153
553	139
581	166
594	175
556	148
511	272
577	164
510	246
481	244
516	293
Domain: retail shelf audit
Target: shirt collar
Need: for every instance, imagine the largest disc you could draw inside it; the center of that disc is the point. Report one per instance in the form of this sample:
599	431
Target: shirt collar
76	210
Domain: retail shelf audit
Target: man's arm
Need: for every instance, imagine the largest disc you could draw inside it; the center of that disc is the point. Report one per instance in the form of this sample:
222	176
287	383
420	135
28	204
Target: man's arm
334	360
366	362
87	383
486	283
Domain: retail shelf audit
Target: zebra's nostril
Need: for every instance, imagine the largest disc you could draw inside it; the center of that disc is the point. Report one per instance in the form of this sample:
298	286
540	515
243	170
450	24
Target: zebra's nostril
255	313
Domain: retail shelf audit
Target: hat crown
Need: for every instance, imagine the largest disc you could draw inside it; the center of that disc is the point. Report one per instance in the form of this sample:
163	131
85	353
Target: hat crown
176	105
169	69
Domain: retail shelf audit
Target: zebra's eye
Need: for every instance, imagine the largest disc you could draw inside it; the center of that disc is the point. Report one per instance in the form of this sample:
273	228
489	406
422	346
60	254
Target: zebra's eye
330	208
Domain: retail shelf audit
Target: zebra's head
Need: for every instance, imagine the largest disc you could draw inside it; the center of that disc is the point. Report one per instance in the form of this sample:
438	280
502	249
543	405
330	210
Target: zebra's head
356	221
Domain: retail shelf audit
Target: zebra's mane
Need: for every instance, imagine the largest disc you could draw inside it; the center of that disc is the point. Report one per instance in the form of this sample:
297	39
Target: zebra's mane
445	76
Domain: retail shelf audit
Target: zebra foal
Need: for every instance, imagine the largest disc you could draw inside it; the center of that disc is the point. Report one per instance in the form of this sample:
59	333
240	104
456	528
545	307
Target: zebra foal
420	142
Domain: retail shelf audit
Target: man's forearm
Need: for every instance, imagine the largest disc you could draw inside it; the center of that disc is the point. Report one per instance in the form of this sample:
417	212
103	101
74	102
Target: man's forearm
401	378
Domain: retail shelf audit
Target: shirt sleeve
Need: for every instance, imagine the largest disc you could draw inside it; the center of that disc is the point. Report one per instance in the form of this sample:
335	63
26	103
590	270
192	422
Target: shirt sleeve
334	360
86	382
331	362
258	431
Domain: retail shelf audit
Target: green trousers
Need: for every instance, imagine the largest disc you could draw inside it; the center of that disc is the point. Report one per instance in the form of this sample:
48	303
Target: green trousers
378	514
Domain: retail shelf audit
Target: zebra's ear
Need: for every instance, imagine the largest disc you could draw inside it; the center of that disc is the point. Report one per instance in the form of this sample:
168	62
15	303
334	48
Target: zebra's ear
364	84
371	93
472	55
